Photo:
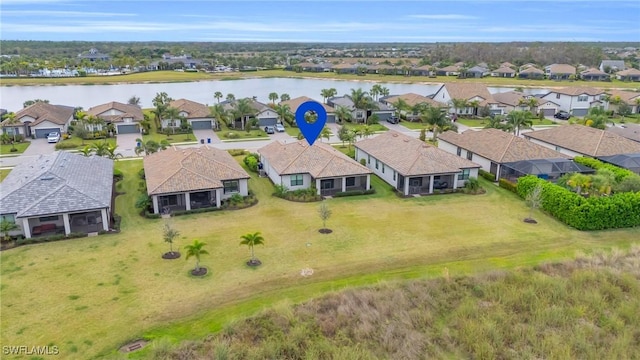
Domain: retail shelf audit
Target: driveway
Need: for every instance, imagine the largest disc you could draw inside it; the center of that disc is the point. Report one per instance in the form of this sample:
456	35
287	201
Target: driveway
38	147
206	134
127	144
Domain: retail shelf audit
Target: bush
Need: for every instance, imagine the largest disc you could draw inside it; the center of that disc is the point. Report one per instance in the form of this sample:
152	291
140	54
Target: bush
506	184
116	222
472	186
252	161
232	135
65	145
237	152
117	174
141	174
487	175
363	162
619	172
194	211
149	215
354	193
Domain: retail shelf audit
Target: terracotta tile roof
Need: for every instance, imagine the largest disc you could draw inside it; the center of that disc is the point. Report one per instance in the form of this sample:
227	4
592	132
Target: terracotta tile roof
628	97
499	146
127	110
562	69
574	91
412	99
532	70
41	111
504	69
192	108
296	102
628	72
468	91
630	131
593	71
320	160
586	140
410	156
510	97
179	170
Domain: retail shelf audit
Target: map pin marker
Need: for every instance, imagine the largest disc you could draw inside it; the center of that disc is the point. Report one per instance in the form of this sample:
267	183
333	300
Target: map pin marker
311	130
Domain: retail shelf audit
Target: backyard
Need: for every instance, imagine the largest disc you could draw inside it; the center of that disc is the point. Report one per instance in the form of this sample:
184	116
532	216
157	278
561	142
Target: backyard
117	288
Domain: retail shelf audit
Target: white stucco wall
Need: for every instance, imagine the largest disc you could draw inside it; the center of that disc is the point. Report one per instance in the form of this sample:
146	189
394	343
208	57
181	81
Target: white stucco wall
556	148
482	161
388	173
47	125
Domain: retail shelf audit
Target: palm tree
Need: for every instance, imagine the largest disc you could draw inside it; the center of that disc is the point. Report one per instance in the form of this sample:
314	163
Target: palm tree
384	91
360	99
161	103
284	113
220	114
401	106
375	91
9	120
252	240
196	250
273	97
328	93
285	97
436	118
517	120
243	110
217	95
325	133
366	131
111	152
87	150
134	100
230	97
173	114
5	227
100	148
459	104
343	114
474	104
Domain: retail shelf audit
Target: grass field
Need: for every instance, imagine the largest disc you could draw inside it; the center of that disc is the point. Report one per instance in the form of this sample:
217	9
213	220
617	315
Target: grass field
173	76
116	288
77	143
6	149
4	173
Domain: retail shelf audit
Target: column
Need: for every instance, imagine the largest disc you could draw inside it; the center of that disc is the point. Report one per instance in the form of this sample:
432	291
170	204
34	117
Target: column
218	197
431	184
187	201
26	228
154	199
344	184
455	181
368	182
318	186
105	220
67	226
407	180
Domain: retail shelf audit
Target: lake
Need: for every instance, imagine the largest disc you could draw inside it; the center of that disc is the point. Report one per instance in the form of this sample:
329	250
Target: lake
86	96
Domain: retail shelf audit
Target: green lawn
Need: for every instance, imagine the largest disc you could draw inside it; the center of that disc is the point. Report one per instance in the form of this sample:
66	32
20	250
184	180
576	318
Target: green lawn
172	138
484	122
116	288
414	125
78	143
4	173
6	149
227	133
360	127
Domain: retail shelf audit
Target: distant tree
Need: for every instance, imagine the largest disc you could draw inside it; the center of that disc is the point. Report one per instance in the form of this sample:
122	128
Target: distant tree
251	240
624	109
217	95
285	97
325	133
242	109
325	213
375	91
31	102
284	113
273	97
436	118
196	250
328	93
134	100
161	103
343	134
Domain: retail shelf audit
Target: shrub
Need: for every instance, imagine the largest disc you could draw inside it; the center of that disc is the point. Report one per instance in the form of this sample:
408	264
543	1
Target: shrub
149	215
506	184
117	174
252	161
194	211
354	192
116	222
619	172
232	135
363	162
487	175
141	174
472	185
65	145
237	152
281	191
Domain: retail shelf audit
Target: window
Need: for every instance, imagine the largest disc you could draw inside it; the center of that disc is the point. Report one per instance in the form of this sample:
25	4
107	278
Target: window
558	96
464	175
8	218
583	98
459	151
326	184
351	181
469	155
231	186
48	218
377	164
296	180
394	176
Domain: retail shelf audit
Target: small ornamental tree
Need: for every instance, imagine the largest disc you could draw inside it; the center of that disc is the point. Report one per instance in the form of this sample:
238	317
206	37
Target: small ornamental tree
533	200
169	234
251	240
7	226
196	250
325	213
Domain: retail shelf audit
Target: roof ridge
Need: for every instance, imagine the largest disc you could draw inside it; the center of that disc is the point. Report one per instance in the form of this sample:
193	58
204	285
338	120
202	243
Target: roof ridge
504	153
214	160
595	151
295	158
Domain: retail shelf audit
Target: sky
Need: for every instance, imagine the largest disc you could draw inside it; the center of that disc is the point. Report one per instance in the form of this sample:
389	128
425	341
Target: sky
321	21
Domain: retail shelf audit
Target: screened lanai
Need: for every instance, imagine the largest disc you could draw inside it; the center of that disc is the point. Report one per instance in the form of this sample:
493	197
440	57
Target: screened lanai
627	161
549	169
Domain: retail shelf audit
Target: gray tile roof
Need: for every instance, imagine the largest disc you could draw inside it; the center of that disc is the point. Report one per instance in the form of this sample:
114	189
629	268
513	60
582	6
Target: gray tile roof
57	183
586	140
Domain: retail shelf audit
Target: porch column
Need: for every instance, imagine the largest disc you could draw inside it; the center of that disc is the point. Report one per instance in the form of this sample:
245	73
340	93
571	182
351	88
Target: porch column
154	199
187	201
218	197
344	184
431	184
26	228
105	220
368	182
455	181
67	226
318	187
406	186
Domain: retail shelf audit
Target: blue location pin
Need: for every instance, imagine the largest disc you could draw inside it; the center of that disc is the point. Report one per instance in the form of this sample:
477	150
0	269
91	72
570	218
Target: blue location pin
311	131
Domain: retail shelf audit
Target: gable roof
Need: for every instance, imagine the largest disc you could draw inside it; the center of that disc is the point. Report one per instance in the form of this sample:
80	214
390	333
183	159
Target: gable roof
511	98
41	111
593	71
127	110
532	70
57	183
499	146
575	91
629	72
630	131
504	70
192	108
468	91
616	64
586	140
178	170
410	156
296	102
412	99
320	160
561	69
628	97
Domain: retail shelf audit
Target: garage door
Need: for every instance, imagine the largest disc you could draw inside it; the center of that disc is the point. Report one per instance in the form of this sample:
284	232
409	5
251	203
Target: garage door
42	133
548	112
268	121
579	112
128	129
331	118
201	125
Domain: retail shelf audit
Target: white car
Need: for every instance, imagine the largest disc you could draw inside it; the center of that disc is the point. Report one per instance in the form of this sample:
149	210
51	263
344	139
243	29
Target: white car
53	137
279	128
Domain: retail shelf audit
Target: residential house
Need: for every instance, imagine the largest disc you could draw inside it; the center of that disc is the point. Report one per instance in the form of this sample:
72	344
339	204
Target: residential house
594	74
560	71
474	94
492	148
295	103
508	65
547	107
576	100
630	98
412	100
628	75
412	166
629	131
186	179
93	55
424	70
265	114
345	68
514	100
313	67
298	165
531	73
59	193
580	140
197	115
381	110
504	71
125	118
609	66
452	70
476	72
40	119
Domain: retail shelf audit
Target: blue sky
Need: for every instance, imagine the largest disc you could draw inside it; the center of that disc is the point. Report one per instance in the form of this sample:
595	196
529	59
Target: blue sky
321	21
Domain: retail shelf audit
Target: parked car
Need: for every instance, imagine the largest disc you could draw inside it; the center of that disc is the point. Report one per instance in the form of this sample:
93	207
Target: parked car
393	120
279	128
53	137
269	130
562	115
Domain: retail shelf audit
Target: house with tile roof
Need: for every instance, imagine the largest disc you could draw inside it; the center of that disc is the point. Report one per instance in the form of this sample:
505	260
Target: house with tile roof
629	131
451	70
504	71
477	71
513	100
413	167
59	193
126	118
297	165
593	74
40	119
576	100
491	148
628	75
531	72
612	65
471	92
265	114
382	110
295	103
412	100
193	178
198	115
560	71
580	140
631	98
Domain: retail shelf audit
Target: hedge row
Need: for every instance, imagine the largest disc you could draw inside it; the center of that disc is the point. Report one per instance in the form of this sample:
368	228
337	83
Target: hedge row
620	210
506	184
354	192
487	175
619	172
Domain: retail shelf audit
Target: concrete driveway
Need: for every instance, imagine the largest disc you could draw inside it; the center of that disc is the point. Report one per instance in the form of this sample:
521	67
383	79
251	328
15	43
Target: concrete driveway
38	147
127	144
206	134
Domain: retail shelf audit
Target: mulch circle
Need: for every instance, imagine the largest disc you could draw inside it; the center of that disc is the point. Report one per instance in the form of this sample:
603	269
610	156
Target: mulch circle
171	255
255	262
200	272
325	231
530	221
